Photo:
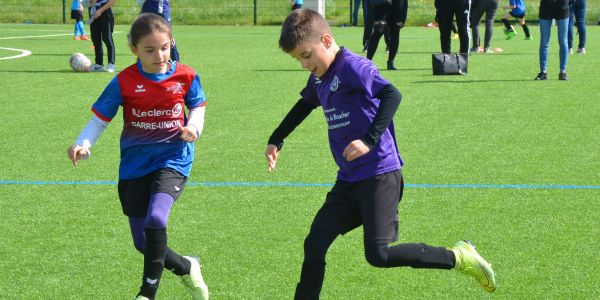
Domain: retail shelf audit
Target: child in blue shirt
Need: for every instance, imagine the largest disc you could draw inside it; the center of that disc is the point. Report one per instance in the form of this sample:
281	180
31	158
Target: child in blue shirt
517	10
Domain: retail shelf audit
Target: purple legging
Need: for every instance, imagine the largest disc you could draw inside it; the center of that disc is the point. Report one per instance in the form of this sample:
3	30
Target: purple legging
156	218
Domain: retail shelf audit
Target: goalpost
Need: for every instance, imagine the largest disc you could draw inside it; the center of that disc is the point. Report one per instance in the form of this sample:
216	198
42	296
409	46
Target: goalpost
316	5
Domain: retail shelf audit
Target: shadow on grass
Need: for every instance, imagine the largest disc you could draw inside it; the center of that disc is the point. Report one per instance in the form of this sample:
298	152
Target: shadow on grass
279	70
50	71
467	81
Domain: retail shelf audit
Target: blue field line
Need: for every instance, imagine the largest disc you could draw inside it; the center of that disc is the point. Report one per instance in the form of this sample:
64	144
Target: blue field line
303	184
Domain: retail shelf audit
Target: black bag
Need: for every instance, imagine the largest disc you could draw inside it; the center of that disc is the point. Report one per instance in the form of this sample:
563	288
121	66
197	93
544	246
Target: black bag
376	3
450	63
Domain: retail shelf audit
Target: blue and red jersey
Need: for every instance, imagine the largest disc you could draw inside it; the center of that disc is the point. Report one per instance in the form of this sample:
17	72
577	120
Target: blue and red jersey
153	109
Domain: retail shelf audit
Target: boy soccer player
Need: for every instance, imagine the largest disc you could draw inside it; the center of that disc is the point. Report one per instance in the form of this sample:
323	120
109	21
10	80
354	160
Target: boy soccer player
517	10
359	106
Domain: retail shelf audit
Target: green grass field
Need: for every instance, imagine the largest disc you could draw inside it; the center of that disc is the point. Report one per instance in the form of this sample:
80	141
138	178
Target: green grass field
495	157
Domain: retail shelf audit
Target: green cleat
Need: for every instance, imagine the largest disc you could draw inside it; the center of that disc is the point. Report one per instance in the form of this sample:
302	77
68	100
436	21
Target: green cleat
470	263
194	280
510	33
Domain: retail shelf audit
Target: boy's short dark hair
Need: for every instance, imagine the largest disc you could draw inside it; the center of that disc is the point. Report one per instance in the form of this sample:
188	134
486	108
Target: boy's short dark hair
300	26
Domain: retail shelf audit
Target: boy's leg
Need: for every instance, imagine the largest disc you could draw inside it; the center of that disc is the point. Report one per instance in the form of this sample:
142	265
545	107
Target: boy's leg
336	216
525	28
313	268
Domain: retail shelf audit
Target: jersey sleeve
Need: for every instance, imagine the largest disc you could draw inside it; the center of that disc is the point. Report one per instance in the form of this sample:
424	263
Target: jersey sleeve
367	78
195	95
309	93
108	103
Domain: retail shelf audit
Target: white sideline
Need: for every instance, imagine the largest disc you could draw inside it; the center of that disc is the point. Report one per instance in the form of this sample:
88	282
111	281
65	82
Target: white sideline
23	53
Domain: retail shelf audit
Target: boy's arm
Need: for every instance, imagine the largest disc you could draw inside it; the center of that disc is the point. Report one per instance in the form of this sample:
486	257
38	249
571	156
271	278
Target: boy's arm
390	99
297	114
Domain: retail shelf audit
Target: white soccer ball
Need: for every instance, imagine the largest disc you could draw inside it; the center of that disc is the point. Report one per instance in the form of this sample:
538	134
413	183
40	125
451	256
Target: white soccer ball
79	62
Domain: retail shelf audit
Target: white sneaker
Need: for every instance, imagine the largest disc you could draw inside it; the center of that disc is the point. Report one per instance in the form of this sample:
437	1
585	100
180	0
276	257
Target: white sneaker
140	297
581	50
194	280
110	68
570	50
96	68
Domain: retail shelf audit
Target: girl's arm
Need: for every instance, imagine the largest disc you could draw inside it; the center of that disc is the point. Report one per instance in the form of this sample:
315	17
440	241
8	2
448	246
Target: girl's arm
192	130
87	138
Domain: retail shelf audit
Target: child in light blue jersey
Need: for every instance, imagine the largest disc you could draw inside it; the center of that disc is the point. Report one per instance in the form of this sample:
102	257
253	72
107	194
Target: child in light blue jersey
77	15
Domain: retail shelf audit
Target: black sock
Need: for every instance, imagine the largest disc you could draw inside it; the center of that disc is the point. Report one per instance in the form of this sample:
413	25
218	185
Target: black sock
506	24
154	260
177	263
526	30
418	255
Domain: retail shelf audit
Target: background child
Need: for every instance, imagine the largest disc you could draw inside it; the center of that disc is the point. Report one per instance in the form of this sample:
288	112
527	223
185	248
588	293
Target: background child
359	106
517	10
157	150
296	4
102	24
77	15
161	8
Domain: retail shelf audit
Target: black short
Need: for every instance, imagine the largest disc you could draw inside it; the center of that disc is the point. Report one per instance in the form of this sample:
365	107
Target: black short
517	16
135	193
372	202
76	15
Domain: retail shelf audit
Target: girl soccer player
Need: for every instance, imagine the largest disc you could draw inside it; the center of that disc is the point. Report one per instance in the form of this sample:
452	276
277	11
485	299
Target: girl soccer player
156	147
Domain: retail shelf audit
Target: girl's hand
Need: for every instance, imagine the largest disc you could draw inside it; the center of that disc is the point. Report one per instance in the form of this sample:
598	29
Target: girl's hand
355	150
189	133
271	153
76	153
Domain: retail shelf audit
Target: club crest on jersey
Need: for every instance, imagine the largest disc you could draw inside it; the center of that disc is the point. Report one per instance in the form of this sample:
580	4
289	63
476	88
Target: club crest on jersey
177	109
177	88
139	88
335	83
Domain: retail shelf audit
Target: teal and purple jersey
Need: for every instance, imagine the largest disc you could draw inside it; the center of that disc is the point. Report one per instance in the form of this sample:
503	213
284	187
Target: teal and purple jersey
519	9
153	110
346	92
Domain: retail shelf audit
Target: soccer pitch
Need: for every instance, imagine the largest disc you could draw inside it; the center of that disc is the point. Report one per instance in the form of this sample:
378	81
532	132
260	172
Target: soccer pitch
495	157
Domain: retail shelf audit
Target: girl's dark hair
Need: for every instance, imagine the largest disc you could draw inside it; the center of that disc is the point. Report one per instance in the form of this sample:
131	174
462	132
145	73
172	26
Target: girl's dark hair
145	24
300	26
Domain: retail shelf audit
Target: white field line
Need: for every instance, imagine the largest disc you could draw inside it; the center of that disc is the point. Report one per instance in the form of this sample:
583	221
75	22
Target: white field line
23	53
32	36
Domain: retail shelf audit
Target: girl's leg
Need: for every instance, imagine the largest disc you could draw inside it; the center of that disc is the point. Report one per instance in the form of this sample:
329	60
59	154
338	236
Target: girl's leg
580	22
570	32
563	25
545	29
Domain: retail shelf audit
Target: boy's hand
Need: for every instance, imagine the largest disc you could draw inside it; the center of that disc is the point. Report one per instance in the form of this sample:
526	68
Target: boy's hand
75	153
271	153
355	150
188	133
